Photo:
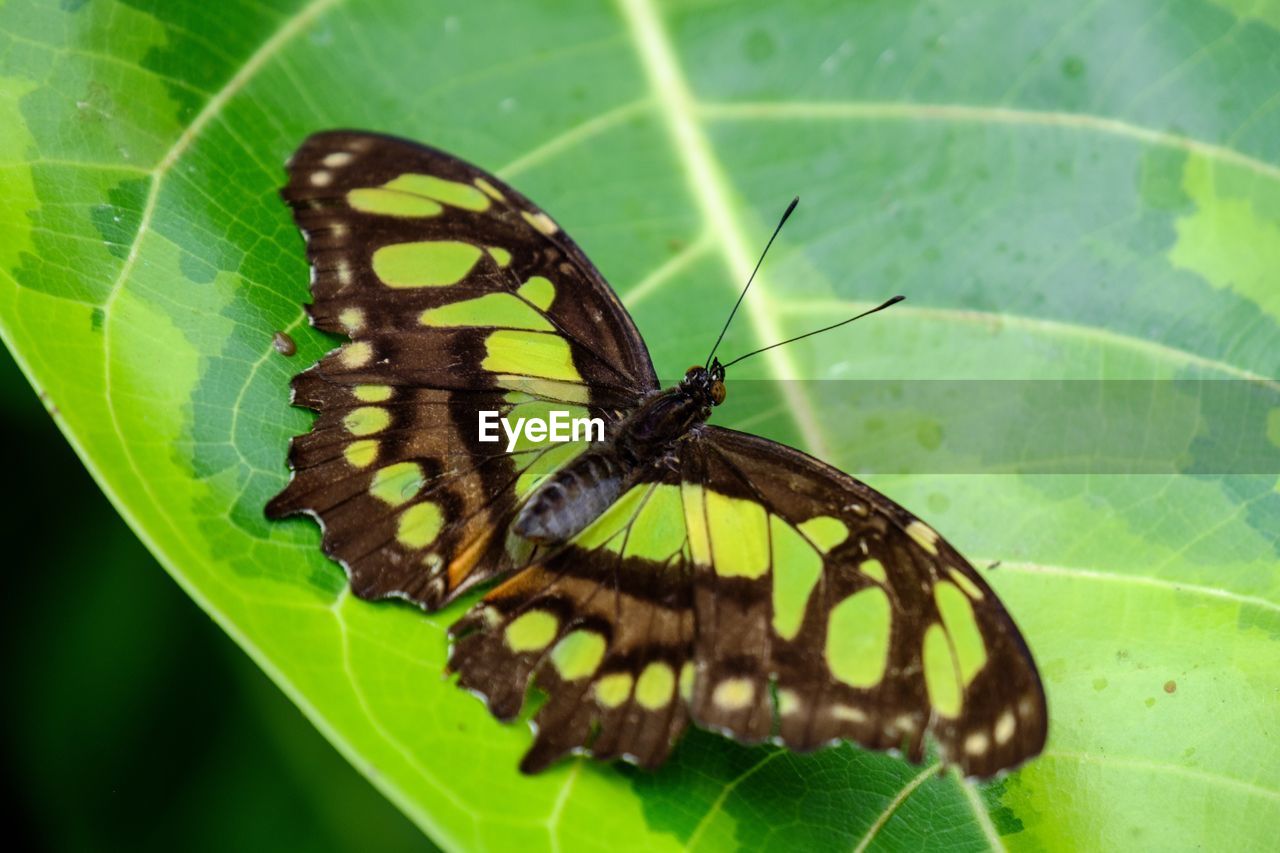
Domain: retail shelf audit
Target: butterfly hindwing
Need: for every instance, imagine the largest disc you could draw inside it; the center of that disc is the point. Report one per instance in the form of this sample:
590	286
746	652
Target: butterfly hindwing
859	620
458	295
779	598
604	627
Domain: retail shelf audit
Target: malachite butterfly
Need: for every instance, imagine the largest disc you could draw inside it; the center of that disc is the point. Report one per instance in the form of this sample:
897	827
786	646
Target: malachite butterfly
676	572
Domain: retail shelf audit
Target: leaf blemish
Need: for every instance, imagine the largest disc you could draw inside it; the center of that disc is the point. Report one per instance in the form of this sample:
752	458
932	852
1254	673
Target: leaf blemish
284	344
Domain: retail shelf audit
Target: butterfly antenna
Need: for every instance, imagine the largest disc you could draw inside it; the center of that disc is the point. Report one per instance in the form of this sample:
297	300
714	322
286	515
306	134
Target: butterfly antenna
743	294
894	301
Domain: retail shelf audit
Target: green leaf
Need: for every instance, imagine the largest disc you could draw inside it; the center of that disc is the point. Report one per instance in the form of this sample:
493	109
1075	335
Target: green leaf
1064	191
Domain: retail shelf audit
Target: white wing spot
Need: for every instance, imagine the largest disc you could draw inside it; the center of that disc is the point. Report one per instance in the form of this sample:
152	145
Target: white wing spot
976	743
1004	727
356	355
848	713
789	702
343	271
541	221
734	694
338	159
321	179
924	535
352	319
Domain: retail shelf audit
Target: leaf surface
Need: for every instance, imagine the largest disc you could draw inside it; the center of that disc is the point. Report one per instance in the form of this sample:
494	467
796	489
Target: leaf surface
1065	192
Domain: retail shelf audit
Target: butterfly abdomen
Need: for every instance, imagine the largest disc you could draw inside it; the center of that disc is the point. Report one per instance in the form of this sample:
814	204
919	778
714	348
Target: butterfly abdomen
572	498
578	494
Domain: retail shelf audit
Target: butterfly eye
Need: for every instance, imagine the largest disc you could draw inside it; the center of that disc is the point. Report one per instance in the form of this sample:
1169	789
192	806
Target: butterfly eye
717	392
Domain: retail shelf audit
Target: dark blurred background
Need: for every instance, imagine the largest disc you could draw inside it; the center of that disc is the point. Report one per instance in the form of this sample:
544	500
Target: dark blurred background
130	720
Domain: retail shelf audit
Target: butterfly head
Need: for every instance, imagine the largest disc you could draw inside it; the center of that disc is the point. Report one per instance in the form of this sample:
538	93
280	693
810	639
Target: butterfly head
708	383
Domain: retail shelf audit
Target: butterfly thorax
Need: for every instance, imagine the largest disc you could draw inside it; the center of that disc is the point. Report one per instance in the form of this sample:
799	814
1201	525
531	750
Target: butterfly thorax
576	495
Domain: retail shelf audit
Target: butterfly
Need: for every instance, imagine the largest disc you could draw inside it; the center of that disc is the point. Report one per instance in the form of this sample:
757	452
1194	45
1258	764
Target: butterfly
674	572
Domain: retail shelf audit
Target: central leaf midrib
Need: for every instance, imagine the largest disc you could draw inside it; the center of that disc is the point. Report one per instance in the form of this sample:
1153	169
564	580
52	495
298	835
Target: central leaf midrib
708	186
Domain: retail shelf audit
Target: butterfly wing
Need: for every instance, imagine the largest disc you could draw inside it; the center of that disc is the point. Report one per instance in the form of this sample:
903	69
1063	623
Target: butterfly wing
863	622
458	296
604	626
756	591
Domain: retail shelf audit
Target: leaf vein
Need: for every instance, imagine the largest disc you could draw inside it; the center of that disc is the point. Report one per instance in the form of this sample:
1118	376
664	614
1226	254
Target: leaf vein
1138	580
894	804
1063	328
980	812
979	114
711	191
1129	763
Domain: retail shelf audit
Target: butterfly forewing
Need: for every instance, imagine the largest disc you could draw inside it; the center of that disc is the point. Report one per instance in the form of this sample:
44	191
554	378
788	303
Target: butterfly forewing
458	296
459	280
